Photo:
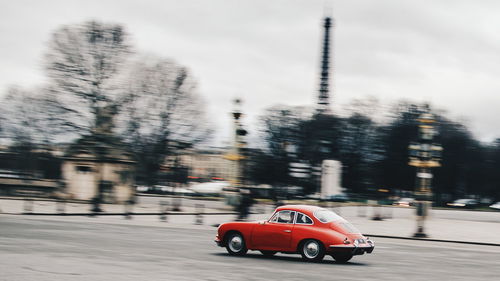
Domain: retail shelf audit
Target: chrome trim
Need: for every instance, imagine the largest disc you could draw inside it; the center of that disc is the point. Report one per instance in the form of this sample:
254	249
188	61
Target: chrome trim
236	243
311	249
354	248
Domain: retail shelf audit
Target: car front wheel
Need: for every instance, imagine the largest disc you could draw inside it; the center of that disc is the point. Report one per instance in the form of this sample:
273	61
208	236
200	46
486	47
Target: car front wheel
235	244
312	250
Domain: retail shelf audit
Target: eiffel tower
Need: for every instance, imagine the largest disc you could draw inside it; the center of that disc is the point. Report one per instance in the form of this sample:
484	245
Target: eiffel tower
323	106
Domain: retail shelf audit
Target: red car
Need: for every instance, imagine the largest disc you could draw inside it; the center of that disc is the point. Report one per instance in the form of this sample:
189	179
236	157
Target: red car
310	231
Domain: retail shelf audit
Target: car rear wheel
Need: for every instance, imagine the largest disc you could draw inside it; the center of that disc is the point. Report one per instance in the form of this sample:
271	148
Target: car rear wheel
342	257
312	250
235	244
268	253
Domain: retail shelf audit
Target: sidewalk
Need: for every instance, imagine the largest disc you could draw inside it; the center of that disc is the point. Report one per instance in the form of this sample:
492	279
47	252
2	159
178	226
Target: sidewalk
400	223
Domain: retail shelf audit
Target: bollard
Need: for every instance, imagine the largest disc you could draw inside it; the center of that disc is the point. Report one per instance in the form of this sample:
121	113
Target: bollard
362	210
377	216
388	213
28	206
176	204
336	208
163	210
199	211
95	207
128	210
61	207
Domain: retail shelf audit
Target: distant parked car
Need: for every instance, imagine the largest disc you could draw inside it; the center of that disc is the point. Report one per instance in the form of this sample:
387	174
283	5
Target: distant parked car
142	188
405	202
338	198
464	203
495	206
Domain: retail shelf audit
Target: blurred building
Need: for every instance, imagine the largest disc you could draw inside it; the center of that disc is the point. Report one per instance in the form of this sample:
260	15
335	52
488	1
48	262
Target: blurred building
205	164
96	167
29	172
93	169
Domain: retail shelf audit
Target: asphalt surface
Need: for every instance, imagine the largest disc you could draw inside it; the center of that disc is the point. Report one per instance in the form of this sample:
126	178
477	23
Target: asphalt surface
33	248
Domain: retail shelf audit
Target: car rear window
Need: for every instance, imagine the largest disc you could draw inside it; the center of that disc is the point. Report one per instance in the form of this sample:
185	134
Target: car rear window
349	228
326	216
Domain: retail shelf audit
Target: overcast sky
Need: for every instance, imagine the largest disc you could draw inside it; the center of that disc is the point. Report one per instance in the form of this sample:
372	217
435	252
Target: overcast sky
268	51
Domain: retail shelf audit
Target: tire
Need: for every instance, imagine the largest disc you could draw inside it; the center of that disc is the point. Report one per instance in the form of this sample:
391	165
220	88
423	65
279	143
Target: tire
268	253
342	257
312	250
235	244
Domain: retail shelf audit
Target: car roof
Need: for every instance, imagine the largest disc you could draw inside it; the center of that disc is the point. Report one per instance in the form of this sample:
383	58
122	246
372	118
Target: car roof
300	208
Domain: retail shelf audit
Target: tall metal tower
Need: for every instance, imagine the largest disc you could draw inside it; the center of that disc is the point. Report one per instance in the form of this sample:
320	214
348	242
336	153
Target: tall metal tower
324	96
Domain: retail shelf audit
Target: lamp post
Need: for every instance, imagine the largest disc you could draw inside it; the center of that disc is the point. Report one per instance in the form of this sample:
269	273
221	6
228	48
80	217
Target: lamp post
239	144
424	155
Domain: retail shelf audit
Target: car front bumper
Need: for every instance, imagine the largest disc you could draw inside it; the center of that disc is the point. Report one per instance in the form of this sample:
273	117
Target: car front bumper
218	241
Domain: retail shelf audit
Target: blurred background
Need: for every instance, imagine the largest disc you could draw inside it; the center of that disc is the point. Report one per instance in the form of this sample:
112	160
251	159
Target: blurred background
235	107
103	93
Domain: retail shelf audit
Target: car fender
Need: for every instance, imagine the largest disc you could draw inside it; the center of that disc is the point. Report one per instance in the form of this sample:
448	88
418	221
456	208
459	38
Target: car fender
326	236
245	228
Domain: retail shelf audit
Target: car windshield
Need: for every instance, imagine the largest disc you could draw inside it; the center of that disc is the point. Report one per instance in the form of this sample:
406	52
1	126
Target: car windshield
326	216
463	201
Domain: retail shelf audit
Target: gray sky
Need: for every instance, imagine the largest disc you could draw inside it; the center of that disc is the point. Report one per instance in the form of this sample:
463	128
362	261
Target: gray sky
268	51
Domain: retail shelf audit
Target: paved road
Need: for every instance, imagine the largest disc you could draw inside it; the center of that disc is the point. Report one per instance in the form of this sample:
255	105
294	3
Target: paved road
41	249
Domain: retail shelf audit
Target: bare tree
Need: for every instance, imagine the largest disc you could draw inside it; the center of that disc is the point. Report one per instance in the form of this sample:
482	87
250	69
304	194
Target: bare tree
30	116
84	63
94	81
164	112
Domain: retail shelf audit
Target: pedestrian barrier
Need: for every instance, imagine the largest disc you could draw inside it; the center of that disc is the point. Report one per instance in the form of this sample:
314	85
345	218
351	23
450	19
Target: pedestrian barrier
361	210
28	206
388	213
61	207
199	211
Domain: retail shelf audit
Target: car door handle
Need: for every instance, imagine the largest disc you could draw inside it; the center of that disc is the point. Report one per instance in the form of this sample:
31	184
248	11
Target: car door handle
287	230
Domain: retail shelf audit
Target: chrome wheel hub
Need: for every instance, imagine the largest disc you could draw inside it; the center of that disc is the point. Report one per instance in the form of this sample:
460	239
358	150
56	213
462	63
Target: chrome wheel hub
236	244
311	249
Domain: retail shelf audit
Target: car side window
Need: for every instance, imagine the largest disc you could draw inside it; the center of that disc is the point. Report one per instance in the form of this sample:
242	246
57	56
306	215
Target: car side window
285	217
303	219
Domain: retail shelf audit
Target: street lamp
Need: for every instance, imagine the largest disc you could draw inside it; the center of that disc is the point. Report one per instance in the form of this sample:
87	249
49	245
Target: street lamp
424	155
239	144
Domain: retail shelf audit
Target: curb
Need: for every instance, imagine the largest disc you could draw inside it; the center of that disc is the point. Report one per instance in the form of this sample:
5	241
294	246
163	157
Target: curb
433	240
120	214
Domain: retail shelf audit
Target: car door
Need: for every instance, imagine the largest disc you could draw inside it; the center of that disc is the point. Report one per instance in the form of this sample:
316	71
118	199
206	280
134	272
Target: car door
275	234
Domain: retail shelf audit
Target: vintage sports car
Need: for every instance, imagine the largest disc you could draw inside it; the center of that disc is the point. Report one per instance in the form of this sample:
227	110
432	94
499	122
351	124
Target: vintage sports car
310	231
